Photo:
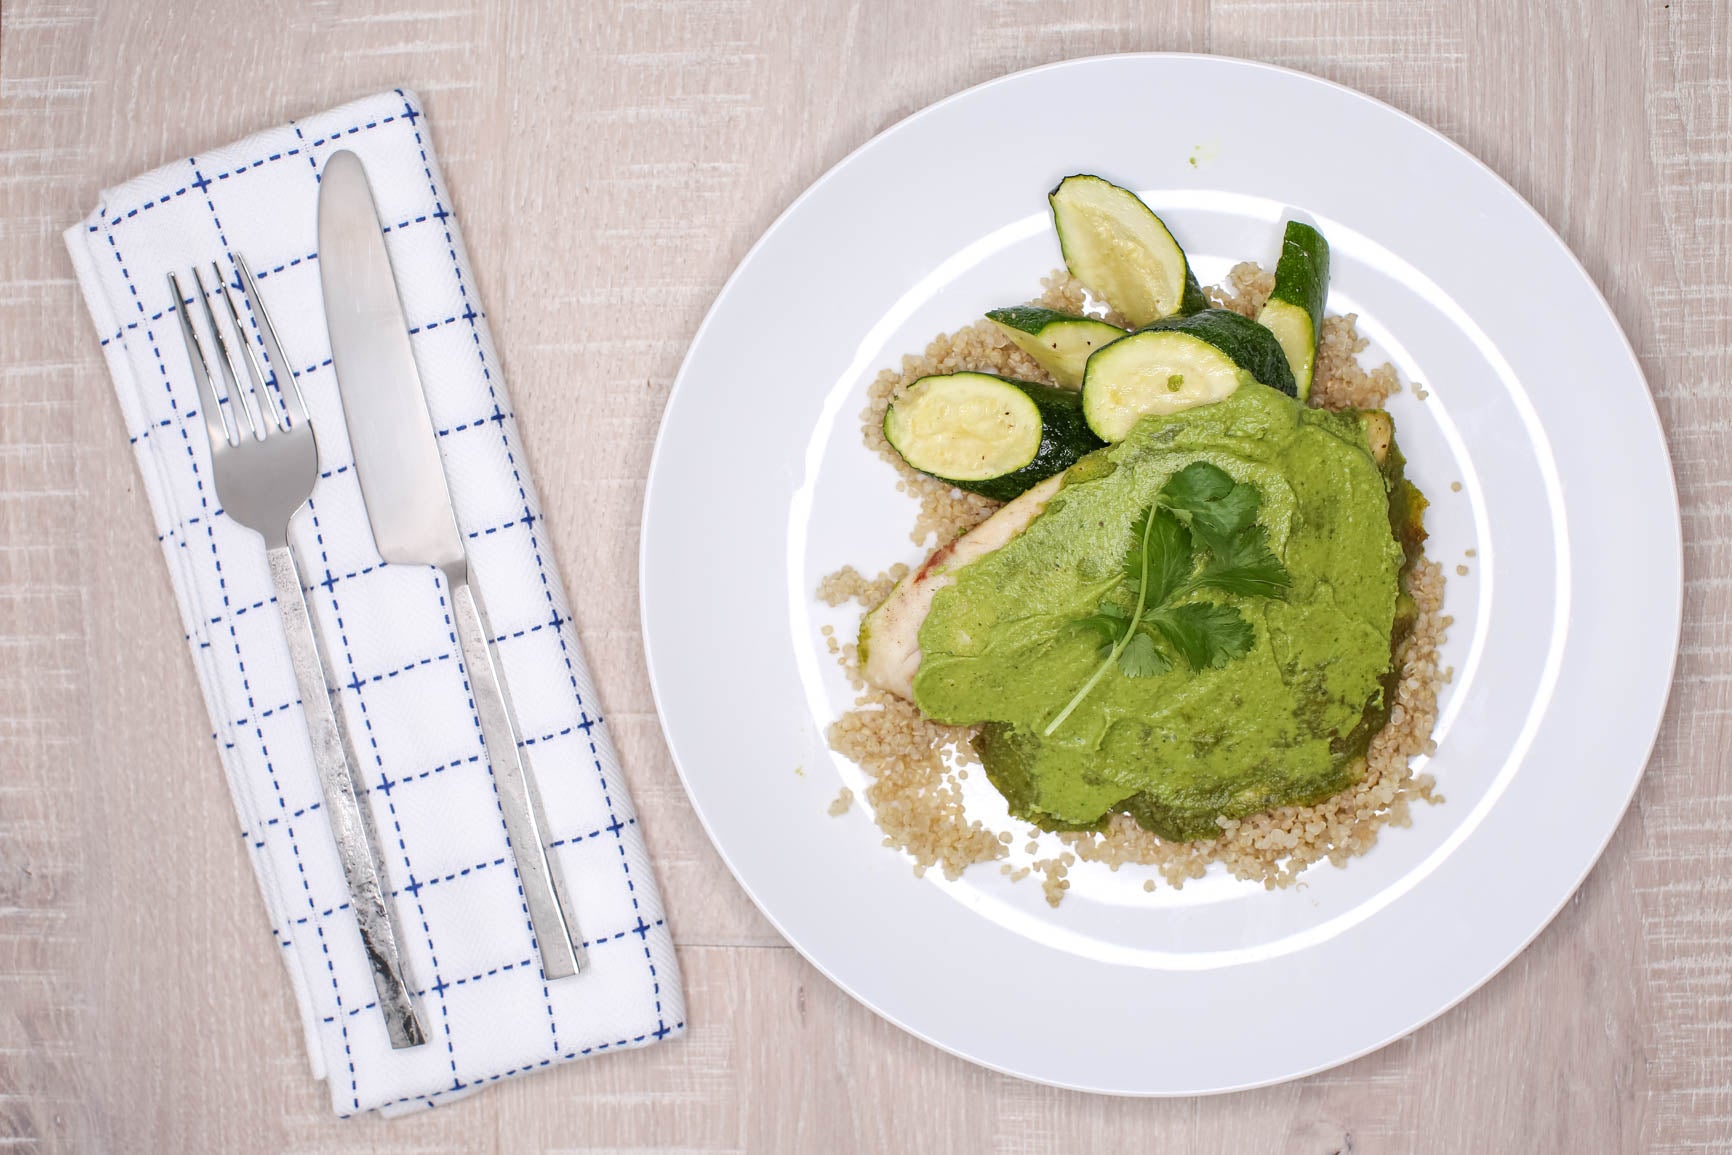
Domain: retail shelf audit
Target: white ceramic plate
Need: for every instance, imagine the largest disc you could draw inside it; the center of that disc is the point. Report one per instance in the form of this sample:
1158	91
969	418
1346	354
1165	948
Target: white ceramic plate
1566	624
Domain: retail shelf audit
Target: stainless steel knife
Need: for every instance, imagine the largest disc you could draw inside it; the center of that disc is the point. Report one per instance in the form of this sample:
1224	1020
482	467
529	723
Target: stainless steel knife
409	504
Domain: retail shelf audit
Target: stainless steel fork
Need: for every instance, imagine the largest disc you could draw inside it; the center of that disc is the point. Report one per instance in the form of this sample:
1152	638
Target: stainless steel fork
264	462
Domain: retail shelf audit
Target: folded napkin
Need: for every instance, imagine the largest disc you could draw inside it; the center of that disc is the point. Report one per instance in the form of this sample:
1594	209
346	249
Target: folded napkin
465	931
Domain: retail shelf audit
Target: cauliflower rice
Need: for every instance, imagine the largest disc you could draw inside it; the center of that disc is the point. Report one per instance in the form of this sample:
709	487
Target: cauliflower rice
917	766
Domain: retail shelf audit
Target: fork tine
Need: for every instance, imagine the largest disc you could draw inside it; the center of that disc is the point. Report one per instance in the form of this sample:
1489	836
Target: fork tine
216	420
225	363
268	412
288	386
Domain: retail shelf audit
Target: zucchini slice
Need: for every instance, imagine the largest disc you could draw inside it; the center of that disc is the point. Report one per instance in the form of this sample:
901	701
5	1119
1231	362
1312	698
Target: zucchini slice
1379	430
987	434
1252	346
1294	312
1154	372
1060	342
1178	364
1123	252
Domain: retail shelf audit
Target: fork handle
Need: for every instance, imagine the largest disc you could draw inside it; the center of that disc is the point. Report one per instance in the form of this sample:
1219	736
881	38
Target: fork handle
343	808
550	912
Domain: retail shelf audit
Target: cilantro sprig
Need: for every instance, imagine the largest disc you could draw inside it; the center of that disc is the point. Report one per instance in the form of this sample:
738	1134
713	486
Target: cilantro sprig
1199	533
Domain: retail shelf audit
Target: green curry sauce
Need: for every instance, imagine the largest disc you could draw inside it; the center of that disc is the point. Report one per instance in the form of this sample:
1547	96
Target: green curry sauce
1285	724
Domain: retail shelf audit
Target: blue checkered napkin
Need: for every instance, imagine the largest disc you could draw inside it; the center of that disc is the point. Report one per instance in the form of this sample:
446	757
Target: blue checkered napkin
453	883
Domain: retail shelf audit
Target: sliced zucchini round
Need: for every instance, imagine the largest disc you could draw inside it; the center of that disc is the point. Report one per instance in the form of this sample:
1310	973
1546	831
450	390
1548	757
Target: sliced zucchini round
1251	345
1379	430
1294	312
1154	371
1177	364
1060	342
1119	248
988	434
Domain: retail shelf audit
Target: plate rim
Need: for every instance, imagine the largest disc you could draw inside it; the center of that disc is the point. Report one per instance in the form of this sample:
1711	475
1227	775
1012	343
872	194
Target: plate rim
1675	558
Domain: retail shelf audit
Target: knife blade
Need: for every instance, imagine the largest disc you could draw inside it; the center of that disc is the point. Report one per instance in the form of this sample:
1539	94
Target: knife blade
403	485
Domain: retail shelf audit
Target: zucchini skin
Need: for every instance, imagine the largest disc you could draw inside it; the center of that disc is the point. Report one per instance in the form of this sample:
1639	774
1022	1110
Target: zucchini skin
1031	319
1194	300
1028	327
1301	290
1064	438
1251	346
1302	272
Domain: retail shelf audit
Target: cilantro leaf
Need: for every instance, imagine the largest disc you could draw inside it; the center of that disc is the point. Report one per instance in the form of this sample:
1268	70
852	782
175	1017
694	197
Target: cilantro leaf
1212	504
1204	634
1243	564
1110	615
1159	555
1107	621
1196	485
1221	514
1141	658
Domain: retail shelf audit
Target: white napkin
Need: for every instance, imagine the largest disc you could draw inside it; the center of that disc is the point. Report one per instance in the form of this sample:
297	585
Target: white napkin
477	981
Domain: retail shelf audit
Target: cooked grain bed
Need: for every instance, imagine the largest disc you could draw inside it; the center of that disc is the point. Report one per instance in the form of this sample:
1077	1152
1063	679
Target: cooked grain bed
917	766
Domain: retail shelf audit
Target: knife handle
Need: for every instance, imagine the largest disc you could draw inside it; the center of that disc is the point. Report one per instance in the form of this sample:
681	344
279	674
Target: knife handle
550	913
343	808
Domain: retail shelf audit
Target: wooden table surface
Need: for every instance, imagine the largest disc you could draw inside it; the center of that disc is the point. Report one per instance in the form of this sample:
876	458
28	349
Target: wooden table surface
611	162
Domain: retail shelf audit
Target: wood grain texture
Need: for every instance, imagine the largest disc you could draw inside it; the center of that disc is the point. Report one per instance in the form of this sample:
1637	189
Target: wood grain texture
611	163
